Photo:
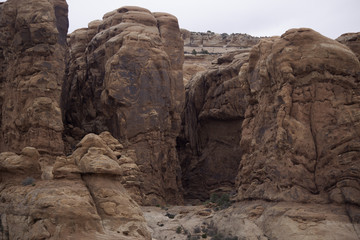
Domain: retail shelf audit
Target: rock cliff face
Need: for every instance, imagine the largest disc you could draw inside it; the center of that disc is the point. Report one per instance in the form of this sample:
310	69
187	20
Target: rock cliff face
125	77
286	114
90	122
212	124
32	60
122	74
300	136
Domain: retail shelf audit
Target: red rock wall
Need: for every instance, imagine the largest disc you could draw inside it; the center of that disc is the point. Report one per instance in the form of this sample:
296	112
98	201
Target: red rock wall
32	60
125	77
294	105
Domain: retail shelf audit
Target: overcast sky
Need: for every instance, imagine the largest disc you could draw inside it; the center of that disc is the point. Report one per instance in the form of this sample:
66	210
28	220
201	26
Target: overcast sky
255	17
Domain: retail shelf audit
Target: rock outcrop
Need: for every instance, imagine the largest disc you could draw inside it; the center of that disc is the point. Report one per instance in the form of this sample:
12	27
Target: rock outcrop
283	117
125	77
84	200
287	113
253	220
32	62
90	123
300	136
202	49
215	42
212	124
352	40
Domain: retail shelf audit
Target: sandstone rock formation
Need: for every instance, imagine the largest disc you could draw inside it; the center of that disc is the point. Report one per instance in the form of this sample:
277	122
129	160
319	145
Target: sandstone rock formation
284	118
215	42
283	112
125	77
352	40
212	124
300	136
213	45
85	200
253	220
90	122
83	195
32	60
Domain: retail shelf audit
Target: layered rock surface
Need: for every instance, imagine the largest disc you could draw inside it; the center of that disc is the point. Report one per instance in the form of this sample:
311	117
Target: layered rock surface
32	60
92	192
284	118
352	40
253	220
125	77
202	49
212	124
300	136
84	200
283	112
82	144
215	42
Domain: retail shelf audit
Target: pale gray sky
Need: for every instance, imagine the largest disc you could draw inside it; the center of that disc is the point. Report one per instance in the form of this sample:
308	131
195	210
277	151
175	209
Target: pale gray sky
256	17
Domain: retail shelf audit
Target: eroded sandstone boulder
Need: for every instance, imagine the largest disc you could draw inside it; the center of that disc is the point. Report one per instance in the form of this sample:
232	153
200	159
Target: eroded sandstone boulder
85	200
125	77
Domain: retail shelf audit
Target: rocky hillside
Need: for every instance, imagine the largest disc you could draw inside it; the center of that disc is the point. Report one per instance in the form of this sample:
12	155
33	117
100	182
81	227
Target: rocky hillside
100	139
202	49
216	43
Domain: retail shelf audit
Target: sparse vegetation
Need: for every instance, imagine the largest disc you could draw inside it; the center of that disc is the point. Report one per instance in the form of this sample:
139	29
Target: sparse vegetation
204	51
221	201
194	52
178	229
197	230
28	181
224	35
169	215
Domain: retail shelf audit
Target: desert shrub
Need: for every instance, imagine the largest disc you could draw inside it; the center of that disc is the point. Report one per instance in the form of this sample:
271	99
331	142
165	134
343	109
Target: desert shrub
194	52
28	181
178	229
204	235
197	230
224	35
221	201
204	51
218	236
169	215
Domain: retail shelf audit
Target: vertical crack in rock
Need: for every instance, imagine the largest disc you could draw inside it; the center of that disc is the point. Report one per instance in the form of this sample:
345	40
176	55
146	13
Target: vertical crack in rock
313	133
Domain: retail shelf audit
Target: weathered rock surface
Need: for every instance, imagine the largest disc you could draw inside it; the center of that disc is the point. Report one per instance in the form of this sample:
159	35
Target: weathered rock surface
125	77
253	220
85	200
277	125
300	136
352	40
32	64
212	123
287	113
215	42
202	49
